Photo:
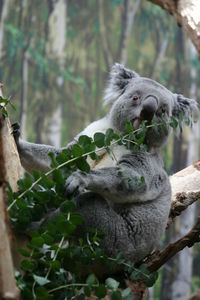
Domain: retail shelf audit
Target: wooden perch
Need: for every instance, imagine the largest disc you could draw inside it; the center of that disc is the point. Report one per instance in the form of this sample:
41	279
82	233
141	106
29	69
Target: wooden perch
159	258
9	172
185	189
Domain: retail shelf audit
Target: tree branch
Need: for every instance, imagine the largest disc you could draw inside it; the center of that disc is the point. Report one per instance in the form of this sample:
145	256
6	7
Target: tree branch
159	258
183	200
185	189
8	289
187	14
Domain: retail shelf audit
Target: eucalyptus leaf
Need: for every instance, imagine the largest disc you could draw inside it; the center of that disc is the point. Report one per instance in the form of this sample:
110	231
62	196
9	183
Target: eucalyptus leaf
40	280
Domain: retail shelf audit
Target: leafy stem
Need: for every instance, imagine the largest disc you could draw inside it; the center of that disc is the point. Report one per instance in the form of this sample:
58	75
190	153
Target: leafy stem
71	285
70	161
55	256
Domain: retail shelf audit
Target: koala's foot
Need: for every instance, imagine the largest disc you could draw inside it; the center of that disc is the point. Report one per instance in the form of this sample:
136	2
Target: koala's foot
16	132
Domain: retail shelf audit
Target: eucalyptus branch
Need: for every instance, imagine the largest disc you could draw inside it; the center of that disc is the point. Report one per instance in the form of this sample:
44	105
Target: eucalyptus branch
172	122
55	256
72	285
72	160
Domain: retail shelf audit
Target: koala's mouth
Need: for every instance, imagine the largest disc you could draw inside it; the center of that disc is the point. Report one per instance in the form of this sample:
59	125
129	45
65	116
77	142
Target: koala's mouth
136	123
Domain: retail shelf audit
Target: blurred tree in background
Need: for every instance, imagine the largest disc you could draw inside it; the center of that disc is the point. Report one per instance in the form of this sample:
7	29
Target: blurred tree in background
55	56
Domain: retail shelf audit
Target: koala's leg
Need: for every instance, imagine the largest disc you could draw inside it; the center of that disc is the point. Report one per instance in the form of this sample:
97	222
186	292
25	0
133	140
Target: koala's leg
97	213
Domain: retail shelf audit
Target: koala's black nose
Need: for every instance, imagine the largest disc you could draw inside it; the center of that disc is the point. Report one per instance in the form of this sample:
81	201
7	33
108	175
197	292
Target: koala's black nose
149	107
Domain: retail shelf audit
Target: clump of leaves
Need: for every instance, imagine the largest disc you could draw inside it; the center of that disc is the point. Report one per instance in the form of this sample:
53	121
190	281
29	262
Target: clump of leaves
55	258
4	102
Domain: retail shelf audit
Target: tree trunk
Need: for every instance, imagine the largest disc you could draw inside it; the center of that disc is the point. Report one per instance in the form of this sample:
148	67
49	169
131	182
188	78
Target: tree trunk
151	293
24	94
181	284
56	49
128	16
3	14
178	272
10	171
160	56
102	28
173	268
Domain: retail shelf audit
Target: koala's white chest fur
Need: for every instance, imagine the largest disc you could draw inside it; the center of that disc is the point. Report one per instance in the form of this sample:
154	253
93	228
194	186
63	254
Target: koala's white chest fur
109	159
116	151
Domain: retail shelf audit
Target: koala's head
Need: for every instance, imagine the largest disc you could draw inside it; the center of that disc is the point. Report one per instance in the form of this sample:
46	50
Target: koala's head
135	99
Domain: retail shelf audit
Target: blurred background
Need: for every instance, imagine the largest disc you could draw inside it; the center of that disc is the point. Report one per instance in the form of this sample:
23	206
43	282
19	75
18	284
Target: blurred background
55	58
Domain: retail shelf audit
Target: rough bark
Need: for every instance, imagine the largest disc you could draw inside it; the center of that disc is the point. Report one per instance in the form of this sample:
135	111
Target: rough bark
195	296
185	189
9	172
187	14
13	169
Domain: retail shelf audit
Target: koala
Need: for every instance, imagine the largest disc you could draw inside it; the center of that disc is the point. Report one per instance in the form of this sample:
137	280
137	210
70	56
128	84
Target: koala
132	216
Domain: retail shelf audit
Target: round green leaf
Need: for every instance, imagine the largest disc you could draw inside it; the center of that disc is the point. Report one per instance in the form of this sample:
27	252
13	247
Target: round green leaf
77	150
112	284
99	139
101	291
37	241
27	265
91	280
116	295
24	252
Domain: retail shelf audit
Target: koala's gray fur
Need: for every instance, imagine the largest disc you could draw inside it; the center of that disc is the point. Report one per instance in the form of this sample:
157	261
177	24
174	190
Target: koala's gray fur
132	216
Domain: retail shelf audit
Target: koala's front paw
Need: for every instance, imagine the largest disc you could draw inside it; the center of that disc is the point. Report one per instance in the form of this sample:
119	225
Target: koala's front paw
16	132
76	184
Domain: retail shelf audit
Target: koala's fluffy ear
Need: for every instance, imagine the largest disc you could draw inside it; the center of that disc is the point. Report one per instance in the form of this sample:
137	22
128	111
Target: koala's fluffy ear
119	78
188	107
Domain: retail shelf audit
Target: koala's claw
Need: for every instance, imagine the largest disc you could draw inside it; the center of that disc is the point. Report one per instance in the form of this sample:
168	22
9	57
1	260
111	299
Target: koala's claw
75	184
16	131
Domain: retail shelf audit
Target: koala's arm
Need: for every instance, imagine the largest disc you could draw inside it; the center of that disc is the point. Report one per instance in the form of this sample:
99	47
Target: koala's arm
35	156
121	184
